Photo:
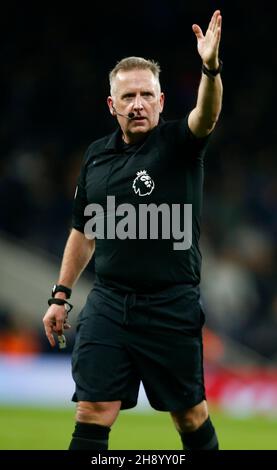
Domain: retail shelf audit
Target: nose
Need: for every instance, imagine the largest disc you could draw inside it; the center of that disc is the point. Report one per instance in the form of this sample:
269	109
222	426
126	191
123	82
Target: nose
138	106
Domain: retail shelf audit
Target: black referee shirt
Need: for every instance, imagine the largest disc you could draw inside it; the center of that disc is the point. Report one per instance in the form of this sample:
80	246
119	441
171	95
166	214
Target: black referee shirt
165	168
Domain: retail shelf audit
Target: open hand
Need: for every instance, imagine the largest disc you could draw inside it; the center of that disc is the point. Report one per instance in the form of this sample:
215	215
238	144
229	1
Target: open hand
208	45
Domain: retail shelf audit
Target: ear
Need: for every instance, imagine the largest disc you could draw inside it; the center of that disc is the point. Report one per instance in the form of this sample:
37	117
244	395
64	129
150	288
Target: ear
110	105
161	102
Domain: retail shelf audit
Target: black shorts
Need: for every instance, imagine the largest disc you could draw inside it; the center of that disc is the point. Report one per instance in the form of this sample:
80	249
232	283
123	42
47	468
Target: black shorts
123	338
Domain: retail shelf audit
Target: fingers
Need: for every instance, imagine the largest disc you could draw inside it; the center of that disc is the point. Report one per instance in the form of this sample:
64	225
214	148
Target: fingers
215	21
219	23
55	321
197	31
214	26
49	333
218	31
58	327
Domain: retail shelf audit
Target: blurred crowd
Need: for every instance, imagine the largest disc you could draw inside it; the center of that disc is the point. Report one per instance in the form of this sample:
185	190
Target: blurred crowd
53	91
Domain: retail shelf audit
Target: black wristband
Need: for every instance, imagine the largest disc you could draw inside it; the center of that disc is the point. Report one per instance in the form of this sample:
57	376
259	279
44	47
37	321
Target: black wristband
60	288
212	72
64	302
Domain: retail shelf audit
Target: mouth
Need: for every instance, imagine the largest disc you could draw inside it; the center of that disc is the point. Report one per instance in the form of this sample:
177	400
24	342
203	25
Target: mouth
138	118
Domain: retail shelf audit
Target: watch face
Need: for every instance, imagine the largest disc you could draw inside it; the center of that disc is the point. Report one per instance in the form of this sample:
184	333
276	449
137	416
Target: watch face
59	288
54	289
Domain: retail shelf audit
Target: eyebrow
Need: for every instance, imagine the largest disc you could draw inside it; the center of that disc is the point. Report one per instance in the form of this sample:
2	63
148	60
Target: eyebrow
125	95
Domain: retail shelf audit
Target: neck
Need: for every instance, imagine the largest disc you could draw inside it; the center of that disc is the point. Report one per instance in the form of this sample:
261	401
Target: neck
133	139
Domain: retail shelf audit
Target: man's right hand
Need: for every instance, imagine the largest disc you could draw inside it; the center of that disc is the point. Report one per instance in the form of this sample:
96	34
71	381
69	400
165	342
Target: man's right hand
55	321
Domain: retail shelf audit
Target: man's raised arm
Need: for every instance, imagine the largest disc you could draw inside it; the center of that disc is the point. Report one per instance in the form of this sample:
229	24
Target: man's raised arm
204	116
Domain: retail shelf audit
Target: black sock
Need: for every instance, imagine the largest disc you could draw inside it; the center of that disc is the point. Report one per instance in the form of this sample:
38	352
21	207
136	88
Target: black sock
89	437
204	438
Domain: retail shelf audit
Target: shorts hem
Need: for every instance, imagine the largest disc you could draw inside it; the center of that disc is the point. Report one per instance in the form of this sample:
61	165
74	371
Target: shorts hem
125	404
178	407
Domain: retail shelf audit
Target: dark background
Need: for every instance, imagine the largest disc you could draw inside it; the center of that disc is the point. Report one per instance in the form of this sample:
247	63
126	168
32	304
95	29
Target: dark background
55	62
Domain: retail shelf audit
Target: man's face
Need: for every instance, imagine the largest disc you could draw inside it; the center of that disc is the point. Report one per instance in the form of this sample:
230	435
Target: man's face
136	91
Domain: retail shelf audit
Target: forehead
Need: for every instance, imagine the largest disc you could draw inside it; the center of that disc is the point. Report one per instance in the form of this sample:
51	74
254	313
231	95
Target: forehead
131	80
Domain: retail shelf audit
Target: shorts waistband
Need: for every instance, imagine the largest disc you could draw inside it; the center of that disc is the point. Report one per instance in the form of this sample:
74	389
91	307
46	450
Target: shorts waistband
130	301
139	292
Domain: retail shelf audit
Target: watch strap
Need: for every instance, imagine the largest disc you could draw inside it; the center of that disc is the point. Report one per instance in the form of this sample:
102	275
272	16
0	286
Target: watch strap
212	72
60	288
68	307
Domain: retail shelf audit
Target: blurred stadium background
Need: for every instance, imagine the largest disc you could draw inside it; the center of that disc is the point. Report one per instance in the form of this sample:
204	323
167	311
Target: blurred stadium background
54	82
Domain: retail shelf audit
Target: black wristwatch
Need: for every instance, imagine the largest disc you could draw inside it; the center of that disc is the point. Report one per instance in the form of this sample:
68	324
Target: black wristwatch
212	72
60	288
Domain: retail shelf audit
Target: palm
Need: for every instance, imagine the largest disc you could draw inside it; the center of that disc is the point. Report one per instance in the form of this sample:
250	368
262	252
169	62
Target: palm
208	45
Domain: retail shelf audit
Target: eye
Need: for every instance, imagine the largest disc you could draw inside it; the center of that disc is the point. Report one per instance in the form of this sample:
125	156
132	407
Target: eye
147	95
128	97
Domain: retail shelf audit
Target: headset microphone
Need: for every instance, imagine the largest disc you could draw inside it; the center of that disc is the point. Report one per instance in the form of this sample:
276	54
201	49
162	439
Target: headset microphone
129	116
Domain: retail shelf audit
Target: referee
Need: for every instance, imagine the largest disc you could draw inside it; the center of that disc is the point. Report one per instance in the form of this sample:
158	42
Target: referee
137	208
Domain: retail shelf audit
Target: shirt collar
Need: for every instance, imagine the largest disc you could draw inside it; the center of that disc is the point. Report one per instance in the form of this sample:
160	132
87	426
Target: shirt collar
113	140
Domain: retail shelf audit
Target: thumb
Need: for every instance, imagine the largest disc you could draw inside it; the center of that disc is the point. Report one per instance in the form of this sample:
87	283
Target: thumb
197	31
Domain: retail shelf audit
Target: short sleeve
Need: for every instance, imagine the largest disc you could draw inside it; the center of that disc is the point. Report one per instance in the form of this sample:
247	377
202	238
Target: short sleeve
197	145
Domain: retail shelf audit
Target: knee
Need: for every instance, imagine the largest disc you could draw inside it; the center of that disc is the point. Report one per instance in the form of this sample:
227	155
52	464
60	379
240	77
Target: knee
102	413
190	420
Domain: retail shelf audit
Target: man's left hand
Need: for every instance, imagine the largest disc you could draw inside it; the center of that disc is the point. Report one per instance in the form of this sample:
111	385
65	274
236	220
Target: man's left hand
208	45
